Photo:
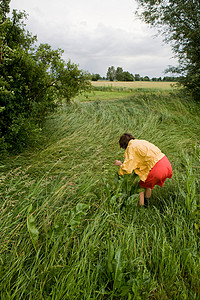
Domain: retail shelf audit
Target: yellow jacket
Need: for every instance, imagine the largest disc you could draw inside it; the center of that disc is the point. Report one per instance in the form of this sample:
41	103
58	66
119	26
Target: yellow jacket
140	157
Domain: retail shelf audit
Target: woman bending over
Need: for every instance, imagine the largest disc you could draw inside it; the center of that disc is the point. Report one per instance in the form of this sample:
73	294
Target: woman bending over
147	161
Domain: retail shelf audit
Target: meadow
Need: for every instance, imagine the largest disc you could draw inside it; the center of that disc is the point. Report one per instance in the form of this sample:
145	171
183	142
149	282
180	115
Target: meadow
70	228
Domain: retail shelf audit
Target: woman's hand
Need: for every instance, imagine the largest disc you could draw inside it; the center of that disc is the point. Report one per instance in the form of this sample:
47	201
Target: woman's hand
118	163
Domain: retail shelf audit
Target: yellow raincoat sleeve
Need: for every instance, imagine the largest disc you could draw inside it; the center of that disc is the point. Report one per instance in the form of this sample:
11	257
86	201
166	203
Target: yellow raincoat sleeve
129	163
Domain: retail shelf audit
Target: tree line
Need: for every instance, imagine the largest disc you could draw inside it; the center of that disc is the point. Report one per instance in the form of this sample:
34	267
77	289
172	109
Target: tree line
119	75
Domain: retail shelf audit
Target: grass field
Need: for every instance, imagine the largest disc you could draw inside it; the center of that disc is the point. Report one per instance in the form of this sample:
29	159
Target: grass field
107	90
71	229
135	84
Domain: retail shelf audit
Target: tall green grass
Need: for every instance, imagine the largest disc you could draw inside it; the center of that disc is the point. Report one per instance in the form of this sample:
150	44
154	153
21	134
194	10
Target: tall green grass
71	229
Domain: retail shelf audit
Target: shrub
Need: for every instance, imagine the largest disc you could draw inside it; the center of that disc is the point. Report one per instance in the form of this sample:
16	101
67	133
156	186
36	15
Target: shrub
33	82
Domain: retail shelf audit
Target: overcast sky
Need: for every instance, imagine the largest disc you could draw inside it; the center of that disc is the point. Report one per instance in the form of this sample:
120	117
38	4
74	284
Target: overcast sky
98	34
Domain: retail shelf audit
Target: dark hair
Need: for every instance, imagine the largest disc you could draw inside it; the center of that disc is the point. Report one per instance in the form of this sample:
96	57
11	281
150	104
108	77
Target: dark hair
124	140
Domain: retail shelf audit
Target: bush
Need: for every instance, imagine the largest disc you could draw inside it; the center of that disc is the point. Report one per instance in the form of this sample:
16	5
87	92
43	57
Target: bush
34	82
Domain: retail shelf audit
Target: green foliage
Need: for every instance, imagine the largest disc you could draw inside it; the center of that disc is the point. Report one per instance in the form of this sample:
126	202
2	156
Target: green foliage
34	81
190	192
116	268
95	77
146	78
33	231
124	192
94	242
137	77
128	76
111	73
119	74
127	281
4	8
179	23
75	216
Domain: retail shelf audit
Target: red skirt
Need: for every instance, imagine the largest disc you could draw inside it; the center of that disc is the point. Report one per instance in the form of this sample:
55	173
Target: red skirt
158	174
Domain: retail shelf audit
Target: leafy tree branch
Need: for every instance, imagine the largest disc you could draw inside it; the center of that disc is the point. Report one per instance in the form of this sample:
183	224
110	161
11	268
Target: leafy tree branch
179	23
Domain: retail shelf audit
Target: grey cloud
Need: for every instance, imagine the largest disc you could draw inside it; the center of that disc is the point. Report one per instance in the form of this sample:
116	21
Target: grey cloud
97	49
107	46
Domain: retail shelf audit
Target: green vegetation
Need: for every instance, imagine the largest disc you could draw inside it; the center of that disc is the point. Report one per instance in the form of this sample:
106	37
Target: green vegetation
109	90
34	81
179	23
71	229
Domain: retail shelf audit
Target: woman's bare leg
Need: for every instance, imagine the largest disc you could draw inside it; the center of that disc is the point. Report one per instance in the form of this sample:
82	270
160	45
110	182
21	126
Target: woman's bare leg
147	193
141	202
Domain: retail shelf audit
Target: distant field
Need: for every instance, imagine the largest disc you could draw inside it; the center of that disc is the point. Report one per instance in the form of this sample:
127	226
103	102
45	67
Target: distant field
113	90
136	84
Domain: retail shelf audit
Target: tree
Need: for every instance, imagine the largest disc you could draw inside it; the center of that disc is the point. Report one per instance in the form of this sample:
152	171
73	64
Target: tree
33	81
119	74
137	77
111	73
170	78
128	76
4	8
179	23
146	78
95	77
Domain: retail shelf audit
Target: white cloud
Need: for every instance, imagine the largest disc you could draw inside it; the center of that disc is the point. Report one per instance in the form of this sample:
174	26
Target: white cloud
97	34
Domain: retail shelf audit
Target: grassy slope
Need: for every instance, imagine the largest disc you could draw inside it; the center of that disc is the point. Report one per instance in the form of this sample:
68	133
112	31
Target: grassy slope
69	229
